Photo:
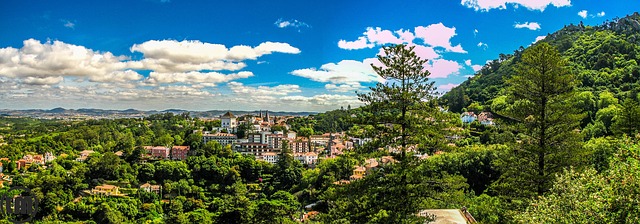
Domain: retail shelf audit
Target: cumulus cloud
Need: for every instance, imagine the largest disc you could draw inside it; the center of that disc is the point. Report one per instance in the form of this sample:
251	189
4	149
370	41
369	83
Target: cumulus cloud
438	35
261	91
343	72
474	67
583	14
486	5
43	81
539	38
528	25
46	62
343	88
195	77
361	43
600	14
294	23
442	68
193	51
475	32
447	87
323	99
435	35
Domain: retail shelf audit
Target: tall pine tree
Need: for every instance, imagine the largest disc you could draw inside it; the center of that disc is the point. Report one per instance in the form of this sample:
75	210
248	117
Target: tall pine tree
541	90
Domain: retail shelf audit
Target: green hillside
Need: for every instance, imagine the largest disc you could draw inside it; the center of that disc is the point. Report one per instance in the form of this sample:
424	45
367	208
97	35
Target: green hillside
604	58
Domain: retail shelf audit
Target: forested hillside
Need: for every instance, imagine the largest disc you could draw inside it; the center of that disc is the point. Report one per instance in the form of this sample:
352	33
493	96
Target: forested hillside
604	59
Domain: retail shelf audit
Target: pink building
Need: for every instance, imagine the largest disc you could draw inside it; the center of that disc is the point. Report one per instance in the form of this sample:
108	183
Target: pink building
180	152
160	152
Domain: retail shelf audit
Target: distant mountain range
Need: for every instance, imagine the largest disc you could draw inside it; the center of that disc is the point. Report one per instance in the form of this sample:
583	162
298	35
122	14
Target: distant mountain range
62	112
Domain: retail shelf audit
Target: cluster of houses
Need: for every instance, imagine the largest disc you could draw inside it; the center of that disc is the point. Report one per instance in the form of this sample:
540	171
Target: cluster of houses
29	160
485	118
266	145
369	166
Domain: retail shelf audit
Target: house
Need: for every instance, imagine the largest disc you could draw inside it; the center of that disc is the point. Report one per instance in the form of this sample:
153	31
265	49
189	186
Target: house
180	152
151	188
468	117
270	157
228	121
107	190
308	158
486	118
48	157
222	138
387	160
84	155
370	164
160	152
22	163
358	173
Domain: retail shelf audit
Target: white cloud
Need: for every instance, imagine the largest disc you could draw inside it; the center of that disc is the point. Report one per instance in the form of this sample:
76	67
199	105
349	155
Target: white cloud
344	72
43	81
435	35
172	56
539	38
442	68
486	5
583	14
447	87
483	45
323	99
343	88
198	52
281	23
68	24
438	35
600	14
475	32
361	43
474	67
528	25
195	77
41	61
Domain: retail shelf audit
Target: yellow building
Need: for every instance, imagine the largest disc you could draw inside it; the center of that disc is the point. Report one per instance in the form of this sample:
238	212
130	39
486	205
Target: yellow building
106	189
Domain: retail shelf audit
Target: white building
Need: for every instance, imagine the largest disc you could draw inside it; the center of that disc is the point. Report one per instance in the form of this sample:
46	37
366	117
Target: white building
308	158
270	157
222	138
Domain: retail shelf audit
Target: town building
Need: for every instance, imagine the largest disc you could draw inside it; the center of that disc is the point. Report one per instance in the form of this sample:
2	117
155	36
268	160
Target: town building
222	138
307	158
151	188
160	152
180	152
106	190
228	121
270	157
300	144
84	155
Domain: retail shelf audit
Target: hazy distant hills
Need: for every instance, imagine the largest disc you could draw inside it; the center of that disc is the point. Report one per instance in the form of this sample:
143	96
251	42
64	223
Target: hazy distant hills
86	112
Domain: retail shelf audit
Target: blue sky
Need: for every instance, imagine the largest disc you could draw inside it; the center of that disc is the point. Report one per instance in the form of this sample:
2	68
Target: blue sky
250	55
